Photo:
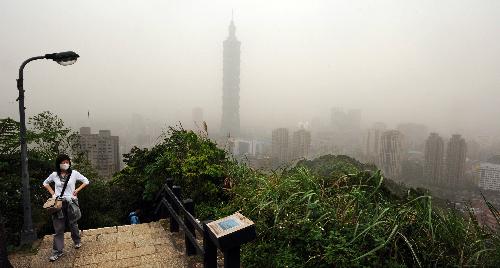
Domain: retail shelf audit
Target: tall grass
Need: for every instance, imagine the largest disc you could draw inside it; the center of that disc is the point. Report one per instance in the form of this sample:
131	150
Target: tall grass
309	217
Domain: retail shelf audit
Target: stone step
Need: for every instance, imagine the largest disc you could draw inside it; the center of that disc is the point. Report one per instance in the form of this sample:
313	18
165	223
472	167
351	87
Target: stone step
141	245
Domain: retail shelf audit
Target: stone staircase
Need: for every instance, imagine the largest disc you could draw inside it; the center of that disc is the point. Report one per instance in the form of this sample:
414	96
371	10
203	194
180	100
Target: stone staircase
141	245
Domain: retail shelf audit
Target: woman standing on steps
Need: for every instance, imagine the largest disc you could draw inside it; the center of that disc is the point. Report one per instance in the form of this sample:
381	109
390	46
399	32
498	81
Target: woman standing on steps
66	216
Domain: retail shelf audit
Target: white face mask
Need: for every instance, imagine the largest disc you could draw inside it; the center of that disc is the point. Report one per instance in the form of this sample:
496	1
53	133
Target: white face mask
64	166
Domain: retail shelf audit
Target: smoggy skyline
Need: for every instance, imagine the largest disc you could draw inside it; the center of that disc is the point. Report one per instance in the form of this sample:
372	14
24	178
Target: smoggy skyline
430	62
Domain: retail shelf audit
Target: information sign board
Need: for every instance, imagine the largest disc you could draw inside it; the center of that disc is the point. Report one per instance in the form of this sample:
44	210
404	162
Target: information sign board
232	231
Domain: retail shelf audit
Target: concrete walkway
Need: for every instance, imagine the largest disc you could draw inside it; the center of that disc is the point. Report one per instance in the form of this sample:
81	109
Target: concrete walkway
141	245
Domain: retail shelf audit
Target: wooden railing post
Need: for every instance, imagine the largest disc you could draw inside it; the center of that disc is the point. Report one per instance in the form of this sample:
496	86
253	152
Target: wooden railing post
230	245
163	210
169	182
232	257
174	225
210	257
189	206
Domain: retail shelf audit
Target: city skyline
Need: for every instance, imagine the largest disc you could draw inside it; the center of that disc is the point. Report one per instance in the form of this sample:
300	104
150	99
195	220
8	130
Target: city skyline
313	64
395	143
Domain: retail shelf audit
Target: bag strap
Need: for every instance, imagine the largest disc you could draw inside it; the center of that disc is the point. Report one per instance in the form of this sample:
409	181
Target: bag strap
65	184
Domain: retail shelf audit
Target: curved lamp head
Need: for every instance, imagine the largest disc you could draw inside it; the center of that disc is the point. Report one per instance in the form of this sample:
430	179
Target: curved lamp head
63	58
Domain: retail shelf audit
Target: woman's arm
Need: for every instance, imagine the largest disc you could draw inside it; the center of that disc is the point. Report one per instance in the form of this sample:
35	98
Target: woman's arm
48	181
81	178
75	193
47	186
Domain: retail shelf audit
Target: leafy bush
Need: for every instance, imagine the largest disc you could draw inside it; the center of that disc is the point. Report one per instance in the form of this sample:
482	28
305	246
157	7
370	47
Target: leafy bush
195	163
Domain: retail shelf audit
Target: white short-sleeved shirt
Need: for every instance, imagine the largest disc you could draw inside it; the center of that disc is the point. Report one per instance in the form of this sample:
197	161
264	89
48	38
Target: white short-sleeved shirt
68	193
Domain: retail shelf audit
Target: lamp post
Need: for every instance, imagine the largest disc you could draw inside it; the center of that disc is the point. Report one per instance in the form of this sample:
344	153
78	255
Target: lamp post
28	234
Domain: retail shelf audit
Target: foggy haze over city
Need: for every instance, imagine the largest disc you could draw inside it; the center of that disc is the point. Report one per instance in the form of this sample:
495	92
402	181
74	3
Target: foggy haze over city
429	62
276	133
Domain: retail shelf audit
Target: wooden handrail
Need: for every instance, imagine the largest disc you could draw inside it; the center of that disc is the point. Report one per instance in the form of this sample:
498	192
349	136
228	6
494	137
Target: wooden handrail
199	249
178	203
181	218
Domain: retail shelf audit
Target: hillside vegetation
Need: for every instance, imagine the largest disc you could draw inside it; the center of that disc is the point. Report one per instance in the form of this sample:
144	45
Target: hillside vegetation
330	211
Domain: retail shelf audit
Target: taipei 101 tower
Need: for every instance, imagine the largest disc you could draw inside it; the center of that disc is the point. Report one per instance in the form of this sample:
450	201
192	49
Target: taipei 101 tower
230	125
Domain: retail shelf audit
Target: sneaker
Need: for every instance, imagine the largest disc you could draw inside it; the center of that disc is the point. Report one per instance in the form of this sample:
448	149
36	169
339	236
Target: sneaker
78	245
55	256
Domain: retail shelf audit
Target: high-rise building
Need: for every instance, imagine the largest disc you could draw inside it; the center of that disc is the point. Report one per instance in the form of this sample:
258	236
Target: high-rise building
279	146
230	125
434	159
102	150
371	144
489	176
390	154
455	161
301	144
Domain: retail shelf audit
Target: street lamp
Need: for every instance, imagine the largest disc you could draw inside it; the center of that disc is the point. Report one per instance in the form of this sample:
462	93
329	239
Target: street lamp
28	234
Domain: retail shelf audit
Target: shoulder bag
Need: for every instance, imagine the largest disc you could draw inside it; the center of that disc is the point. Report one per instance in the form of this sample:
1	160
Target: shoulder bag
54	204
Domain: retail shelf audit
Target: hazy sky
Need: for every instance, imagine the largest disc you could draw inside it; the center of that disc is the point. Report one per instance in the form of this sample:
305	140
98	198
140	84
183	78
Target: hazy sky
432	62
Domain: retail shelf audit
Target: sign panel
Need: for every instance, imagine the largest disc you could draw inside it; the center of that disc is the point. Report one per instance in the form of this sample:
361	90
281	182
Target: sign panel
232	231
229	224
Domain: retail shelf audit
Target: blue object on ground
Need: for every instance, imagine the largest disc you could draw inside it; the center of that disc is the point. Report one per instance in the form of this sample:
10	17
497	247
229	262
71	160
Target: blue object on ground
134	219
